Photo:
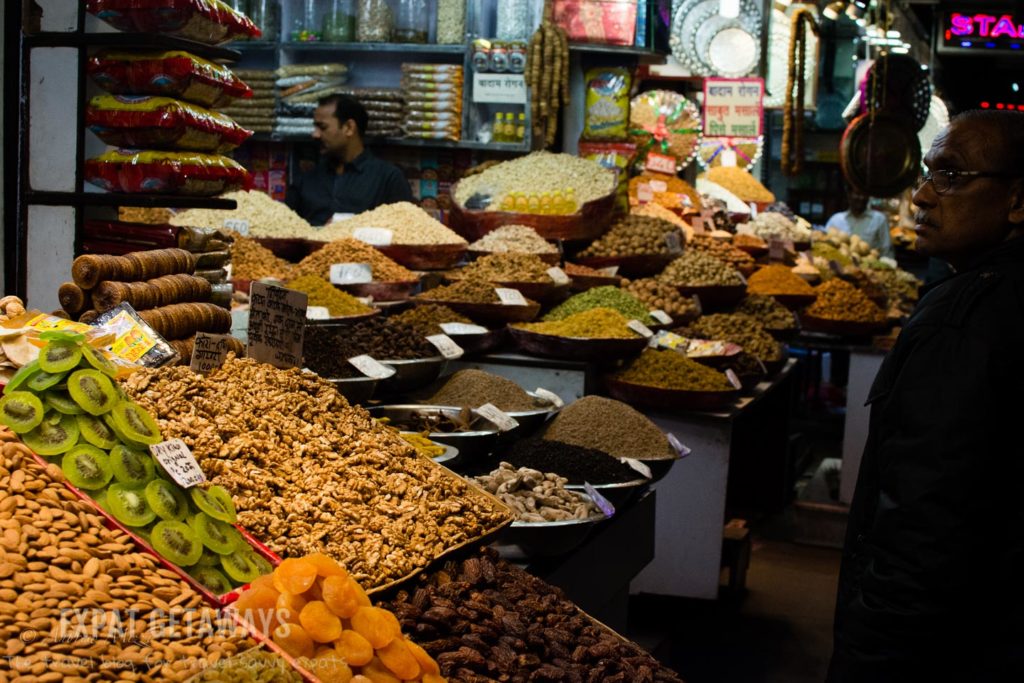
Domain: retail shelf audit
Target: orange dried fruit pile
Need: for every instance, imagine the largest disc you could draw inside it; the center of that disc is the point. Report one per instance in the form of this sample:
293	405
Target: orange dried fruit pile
316	612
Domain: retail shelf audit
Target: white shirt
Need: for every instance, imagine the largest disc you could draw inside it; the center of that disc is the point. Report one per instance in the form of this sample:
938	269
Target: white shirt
871	226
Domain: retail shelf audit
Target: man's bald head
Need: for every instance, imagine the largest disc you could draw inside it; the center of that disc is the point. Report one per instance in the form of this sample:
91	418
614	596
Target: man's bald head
1003	134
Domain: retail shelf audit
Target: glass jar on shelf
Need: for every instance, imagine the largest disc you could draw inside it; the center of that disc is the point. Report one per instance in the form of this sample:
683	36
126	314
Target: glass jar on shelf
267	15
374	21
412	22
451	22
307	23
339	23
513	20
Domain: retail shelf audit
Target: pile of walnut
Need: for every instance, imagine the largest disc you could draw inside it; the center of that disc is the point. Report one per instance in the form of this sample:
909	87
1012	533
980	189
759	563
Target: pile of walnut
309	473
535	496
486	620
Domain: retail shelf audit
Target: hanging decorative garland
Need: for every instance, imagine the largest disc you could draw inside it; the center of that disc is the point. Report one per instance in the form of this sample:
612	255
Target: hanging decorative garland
747	151
793	111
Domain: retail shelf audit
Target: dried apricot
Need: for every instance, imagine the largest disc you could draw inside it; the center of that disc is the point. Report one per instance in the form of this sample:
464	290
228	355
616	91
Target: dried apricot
325	566
359	678
319	622
432	678
329	667
377	625
356	649
342	595
257	606
423	658
293	640
294	575
399	660
288	607
265	581
378	673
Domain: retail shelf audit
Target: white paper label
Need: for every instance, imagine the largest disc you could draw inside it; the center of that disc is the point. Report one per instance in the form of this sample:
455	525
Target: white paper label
498	417
510	297
558	275
462	328
728	157
209	352
351	273
610	271
662	317
678	445
673	242
638	466
378	237
239	225
341	217
602	503
317	313
659	186
178	462
753	209
371	367
448	348
640	328
733	379
644	193
550	396
889	261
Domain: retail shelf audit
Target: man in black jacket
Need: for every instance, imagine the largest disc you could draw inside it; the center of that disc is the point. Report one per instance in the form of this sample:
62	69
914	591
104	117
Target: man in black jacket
932	580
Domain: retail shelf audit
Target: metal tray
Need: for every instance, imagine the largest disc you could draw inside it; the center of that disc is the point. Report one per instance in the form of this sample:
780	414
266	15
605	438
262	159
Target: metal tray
412	374
671	399
471	445
356	390
576	348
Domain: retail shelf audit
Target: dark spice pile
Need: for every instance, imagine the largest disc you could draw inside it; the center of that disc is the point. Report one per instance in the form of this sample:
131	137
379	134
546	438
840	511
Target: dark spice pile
428	318
610	426
486	620
473	388
575	463
327	348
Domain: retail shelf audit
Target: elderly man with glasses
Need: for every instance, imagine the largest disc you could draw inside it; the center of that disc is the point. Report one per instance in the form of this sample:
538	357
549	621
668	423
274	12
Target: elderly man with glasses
932	580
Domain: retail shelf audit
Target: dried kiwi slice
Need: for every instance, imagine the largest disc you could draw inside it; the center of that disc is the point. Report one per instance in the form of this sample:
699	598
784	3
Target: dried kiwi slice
218	536
98	361
132	467
176	542
95	431
57	357
24	374
128	505
43	380
239	566
212	579
62	403
87	467
135	423
261	563
56	434
22	411
134	445
92	390
167	500
62	336
216	502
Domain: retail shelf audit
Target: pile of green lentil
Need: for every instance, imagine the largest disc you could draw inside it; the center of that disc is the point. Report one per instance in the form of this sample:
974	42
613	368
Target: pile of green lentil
602	297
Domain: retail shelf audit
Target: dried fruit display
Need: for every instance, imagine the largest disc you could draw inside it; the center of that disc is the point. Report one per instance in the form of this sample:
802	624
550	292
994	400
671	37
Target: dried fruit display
315	611
308	473
64	569
486	620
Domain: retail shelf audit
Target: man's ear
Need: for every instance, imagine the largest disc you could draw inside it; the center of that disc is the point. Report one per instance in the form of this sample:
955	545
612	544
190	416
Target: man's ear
351	128
1016	215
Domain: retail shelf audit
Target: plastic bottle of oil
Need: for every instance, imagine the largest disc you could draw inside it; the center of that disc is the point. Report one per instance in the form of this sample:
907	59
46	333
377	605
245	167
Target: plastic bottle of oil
499	127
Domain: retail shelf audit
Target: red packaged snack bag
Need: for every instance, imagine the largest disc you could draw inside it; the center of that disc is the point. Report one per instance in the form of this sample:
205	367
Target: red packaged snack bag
184	173
172	74
204	21
161	123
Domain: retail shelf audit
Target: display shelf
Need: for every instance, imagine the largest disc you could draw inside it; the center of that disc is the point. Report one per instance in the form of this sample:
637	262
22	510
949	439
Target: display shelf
407	142
417	48
125	199
254	45
649	56
142	41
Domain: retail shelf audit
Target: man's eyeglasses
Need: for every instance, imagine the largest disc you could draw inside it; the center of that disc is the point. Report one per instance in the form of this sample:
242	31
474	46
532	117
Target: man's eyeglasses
944	181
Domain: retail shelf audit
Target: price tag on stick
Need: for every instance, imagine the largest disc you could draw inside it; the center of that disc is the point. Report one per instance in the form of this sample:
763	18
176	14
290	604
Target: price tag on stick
178	462
462	328
637	466
733	379
377	237
640	329
661	316
602	503
678	445
351	273
504	421
446	345
550	396
510	297
209	352
318	313
371	367
239	225
558	275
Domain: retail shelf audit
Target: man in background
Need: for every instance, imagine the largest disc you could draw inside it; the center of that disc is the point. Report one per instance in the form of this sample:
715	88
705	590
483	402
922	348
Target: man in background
348	179
870	225
930	586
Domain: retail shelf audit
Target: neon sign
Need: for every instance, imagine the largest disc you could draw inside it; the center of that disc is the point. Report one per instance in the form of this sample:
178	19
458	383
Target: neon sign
982	31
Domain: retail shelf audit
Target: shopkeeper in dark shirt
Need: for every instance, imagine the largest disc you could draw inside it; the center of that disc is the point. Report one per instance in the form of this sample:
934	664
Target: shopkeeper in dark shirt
347	178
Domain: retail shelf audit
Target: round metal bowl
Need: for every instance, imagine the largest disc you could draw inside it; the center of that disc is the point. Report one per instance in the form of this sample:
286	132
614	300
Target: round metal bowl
412	374
636	265
490	313
617	494
382	291
660	467
531	420
425	256
576	348
547	539
470	445
537	291
356	390
450	453
670	399
479	343
342	320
